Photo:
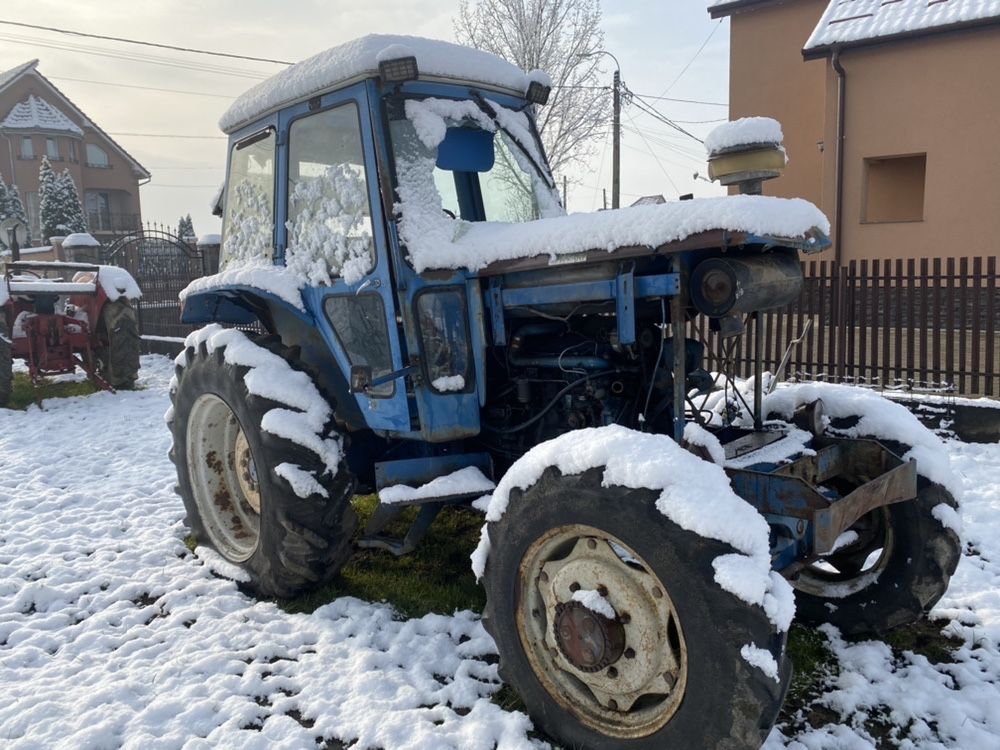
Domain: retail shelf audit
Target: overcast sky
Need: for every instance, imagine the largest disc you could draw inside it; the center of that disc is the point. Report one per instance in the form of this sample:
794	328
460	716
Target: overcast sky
654	41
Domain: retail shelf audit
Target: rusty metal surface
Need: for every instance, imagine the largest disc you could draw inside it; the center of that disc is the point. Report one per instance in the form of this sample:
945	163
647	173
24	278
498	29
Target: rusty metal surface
875	476
589	641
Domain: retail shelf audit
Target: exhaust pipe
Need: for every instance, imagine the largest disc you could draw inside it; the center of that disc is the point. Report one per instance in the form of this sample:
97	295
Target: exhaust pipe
724	286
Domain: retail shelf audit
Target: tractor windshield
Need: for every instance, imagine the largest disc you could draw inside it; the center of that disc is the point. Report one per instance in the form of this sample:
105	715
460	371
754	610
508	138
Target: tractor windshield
470	161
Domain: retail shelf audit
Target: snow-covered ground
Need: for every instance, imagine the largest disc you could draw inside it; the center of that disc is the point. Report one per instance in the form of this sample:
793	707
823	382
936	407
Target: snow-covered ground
113	635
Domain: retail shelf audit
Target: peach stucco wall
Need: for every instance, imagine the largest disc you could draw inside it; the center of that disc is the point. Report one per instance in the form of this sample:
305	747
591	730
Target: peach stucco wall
937	95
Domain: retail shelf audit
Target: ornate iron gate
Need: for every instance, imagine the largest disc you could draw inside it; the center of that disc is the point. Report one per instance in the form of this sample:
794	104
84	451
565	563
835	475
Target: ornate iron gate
163	264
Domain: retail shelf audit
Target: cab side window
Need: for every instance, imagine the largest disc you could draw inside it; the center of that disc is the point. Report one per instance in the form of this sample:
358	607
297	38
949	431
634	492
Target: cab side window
248	224
329	215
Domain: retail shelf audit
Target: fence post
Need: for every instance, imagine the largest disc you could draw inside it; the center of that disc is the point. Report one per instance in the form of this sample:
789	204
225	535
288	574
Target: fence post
991	327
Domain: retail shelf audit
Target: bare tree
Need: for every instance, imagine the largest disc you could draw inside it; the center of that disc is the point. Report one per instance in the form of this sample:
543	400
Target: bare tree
562	38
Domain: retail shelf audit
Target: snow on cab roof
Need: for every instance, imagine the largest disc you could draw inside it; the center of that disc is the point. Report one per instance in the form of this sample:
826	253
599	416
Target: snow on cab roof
358	59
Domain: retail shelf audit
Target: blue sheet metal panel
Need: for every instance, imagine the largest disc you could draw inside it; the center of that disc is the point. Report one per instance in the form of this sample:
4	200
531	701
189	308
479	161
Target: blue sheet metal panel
625	307
662	285
477	330
451	415
494	301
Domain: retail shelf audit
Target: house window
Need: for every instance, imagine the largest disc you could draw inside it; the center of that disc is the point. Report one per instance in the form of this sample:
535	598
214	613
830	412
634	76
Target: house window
34	217
27	148
72	149
52	148
98	210
894	189
96	156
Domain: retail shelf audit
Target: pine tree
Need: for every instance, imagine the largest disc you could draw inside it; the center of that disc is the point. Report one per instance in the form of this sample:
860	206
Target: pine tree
185	227
15	209
4	201
50	209
74	220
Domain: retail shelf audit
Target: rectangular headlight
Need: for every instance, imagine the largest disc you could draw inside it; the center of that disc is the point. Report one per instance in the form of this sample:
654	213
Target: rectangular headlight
398	70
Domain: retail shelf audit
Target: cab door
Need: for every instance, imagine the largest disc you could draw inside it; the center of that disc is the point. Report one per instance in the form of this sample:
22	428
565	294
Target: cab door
332	230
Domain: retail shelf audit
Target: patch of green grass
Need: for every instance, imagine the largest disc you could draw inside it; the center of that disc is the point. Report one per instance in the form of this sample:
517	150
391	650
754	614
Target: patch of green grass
190	541
813	663
436	577
925	638
23	393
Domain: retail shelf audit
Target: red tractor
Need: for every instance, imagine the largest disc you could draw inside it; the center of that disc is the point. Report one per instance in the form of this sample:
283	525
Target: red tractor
60	316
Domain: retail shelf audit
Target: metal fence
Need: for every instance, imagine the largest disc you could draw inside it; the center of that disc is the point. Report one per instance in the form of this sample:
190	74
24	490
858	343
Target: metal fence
928	324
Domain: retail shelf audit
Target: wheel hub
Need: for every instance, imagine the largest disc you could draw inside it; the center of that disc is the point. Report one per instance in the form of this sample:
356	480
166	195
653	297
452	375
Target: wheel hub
246	471
589	641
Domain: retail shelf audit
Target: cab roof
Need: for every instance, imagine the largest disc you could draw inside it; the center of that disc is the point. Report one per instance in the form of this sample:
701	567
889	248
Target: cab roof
358	59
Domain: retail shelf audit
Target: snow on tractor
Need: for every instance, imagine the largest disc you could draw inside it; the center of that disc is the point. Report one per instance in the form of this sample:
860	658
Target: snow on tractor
59	316
437	329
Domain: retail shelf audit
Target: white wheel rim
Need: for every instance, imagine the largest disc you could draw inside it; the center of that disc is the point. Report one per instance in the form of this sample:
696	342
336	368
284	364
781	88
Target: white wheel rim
631	694
223	477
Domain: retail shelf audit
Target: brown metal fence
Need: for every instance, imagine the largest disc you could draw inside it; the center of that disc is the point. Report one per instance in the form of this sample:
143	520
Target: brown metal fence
902	324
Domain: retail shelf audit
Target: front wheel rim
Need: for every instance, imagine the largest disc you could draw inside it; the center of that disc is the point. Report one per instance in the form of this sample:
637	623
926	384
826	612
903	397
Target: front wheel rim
223	475
623	676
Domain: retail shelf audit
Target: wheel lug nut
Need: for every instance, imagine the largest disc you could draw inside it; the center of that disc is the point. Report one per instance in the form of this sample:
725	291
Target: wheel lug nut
602	590
630	653
592	543
613	704
574	586
612	672
543	577
624	618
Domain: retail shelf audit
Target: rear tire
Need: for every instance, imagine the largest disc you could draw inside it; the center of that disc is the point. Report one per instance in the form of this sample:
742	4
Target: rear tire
238	501
713	697
896	570
118	360
6	364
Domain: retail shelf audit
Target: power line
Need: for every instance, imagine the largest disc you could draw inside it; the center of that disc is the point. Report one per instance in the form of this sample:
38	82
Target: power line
70	32
653	112
691	61
655	158
168	135
132	57
685	101
144	88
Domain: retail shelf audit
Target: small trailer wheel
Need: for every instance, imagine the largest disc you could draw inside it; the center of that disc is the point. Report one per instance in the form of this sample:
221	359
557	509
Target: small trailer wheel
6	363
118	359
649	656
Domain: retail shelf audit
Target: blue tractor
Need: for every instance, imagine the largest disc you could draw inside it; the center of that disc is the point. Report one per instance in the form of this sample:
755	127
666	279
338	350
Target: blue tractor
403	306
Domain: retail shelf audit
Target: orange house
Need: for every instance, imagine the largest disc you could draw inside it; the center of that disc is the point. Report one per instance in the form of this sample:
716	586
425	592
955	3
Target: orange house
36	120
890	110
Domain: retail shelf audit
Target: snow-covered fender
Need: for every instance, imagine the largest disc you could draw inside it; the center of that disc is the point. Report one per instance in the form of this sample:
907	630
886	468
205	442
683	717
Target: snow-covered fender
243	305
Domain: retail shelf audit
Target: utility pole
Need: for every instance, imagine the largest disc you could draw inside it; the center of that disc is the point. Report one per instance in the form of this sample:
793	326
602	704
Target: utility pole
616	135
616	130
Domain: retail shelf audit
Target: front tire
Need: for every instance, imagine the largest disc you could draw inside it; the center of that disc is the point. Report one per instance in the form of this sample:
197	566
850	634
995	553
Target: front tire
667	670
265	503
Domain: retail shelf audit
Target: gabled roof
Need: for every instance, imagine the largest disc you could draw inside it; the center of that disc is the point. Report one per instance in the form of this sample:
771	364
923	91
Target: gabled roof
8	76
849	23
7	79
36	113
